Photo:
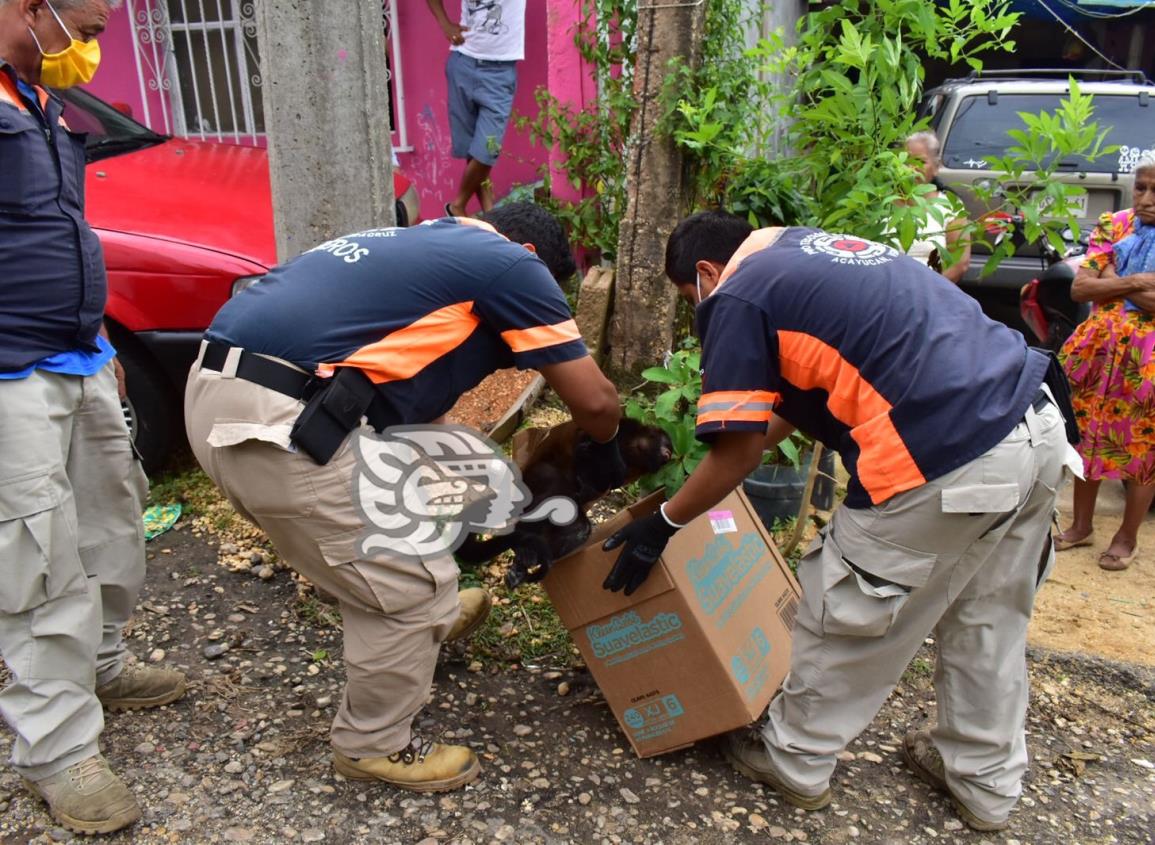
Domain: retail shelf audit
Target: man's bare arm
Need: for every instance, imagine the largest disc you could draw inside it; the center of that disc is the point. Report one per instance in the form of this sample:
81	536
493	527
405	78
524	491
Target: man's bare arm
591	397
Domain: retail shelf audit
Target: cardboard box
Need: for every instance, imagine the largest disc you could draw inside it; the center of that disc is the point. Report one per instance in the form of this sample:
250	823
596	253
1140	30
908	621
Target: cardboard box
702	646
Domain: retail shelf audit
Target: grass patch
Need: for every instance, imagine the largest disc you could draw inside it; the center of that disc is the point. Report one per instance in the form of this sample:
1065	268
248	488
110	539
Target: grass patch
523	626
191	488
314	612
920	670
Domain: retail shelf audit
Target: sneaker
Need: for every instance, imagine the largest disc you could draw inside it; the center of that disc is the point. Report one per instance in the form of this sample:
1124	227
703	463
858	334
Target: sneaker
747	753
925	761
138	686
475	606
424	766
87	798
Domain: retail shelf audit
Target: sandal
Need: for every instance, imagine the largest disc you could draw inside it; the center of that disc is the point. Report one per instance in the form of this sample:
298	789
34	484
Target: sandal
1115	563
1061	544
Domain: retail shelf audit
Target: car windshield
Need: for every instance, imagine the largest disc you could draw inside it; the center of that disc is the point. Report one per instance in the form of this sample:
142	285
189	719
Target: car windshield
980	127
110	132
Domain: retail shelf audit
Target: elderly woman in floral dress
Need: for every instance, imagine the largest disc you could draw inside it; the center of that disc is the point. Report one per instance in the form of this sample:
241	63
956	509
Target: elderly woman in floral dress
1110	361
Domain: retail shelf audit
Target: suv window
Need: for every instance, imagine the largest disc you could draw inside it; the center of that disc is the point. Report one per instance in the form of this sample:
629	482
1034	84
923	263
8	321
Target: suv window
979	130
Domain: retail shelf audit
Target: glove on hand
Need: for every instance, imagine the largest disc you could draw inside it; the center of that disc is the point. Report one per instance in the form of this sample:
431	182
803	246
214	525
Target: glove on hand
644	540
599	467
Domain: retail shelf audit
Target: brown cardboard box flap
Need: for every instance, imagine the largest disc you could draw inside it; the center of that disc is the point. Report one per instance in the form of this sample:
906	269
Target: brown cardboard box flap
575	581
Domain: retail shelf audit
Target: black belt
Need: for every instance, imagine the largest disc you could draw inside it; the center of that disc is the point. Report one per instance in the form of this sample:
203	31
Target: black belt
1040	401
263	371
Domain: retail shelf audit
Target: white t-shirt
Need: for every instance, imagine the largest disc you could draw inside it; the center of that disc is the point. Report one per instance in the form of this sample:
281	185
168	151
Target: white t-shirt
495	29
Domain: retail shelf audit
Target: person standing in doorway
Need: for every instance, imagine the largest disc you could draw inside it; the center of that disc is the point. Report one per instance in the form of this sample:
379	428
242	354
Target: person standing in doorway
485	47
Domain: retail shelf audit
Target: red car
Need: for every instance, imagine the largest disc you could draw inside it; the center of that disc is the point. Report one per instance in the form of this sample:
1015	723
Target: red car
185	224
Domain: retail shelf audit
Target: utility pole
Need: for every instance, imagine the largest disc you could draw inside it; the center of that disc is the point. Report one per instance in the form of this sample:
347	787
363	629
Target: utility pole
657	188
326	106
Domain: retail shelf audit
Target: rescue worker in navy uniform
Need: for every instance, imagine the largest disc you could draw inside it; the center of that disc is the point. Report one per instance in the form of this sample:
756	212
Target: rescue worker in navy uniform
955	451
415	317
71	538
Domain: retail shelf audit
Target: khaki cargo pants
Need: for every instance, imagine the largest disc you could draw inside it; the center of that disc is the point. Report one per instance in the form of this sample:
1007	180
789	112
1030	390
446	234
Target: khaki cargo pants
962	557
395	612
71	560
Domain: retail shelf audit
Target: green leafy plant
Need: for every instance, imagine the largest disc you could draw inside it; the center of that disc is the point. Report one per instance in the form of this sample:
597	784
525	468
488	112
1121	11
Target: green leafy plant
857	79
673	408
592	139
1027	203
857	71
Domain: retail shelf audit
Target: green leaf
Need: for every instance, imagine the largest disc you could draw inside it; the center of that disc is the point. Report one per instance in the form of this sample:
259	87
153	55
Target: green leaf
660	375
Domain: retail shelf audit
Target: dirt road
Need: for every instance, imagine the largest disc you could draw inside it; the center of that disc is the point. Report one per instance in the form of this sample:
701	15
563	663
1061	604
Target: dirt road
244	757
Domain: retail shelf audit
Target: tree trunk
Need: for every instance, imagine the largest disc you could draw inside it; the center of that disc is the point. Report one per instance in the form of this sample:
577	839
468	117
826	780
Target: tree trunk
657	190
326	105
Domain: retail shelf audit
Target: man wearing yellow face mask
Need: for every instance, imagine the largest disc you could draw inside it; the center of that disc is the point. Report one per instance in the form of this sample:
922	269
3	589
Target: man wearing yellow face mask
71	540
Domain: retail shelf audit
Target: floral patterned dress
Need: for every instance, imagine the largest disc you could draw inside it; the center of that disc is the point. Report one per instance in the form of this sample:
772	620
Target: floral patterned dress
1110	361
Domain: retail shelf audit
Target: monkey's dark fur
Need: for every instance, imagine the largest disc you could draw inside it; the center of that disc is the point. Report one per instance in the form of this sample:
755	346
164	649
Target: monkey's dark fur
552	472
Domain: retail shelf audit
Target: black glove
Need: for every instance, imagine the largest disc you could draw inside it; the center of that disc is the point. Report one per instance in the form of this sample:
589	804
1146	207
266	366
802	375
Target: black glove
599	467
645	540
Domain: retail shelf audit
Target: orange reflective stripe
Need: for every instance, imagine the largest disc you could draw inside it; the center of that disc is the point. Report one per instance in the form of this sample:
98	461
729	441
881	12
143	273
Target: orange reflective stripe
756	242
406	352
736	406
885	465
734	416
539	337
738	397
9	92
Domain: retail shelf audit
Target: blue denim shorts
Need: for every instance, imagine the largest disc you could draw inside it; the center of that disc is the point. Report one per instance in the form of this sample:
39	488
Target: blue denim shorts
480	101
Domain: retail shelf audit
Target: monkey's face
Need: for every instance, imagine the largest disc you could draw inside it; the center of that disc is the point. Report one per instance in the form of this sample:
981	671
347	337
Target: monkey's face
644	448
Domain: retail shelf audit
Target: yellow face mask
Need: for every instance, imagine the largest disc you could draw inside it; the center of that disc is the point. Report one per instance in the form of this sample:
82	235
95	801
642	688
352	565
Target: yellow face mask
74	65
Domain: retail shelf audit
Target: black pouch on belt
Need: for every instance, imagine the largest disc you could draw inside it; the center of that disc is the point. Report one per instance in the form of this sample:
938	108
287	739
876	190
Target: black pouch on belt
1056	380
333	411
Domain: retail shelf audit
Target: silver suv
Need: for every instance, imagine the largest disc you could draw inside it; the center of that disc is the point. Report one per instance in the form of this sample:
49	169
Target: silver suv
972	116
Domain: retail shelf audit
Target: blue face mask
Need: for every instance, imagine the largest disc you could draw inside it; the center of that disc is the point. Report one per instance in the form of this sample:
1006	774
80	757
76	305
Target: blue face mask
698	285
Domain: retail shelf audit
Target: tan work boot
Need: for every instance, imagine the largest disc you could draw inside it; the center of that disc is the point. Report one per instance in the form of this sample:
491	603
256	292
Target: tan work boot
425	766
475	606
747	753
87	797
925	761
138	686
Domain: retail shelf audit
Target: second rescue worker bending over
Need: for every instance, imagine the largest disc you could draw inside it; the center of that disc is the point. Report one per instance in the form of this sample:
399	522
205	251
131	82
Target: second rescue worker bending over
425	314
954	451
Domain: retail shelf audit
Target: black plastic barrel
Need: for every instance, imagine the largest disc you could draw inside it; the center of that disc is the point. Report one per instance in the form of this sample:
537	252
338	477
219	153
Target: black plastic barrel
776	491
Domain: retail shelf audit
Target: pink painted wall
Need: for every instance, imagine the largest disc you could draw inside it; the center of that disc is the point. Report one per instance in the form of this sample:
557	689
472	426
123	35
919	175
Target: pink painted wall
550	60
117	80
424	50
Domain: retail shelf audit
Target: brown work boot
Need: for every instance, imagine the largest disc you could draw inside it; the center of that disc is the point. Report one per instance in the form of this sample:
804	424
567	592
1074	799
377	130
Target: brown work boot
925	761
475	606
138	686
747	753
87	797
425	766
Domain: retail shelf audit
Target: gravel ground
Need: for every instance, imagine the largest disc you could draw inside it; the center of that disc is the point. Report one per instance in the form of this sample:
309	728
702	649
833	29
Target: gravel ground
244	756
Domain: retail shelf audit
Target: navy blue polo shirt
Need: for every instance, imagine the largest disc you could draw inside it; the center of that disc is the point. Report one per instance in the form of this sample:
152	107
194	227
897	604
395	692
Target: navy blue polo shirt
868	351
425	312
53	285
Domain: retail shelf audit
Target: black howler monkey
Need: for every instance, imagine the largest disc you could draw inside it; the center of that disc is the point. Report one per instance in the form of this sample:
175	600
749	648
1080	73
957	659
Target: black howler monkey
551	472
